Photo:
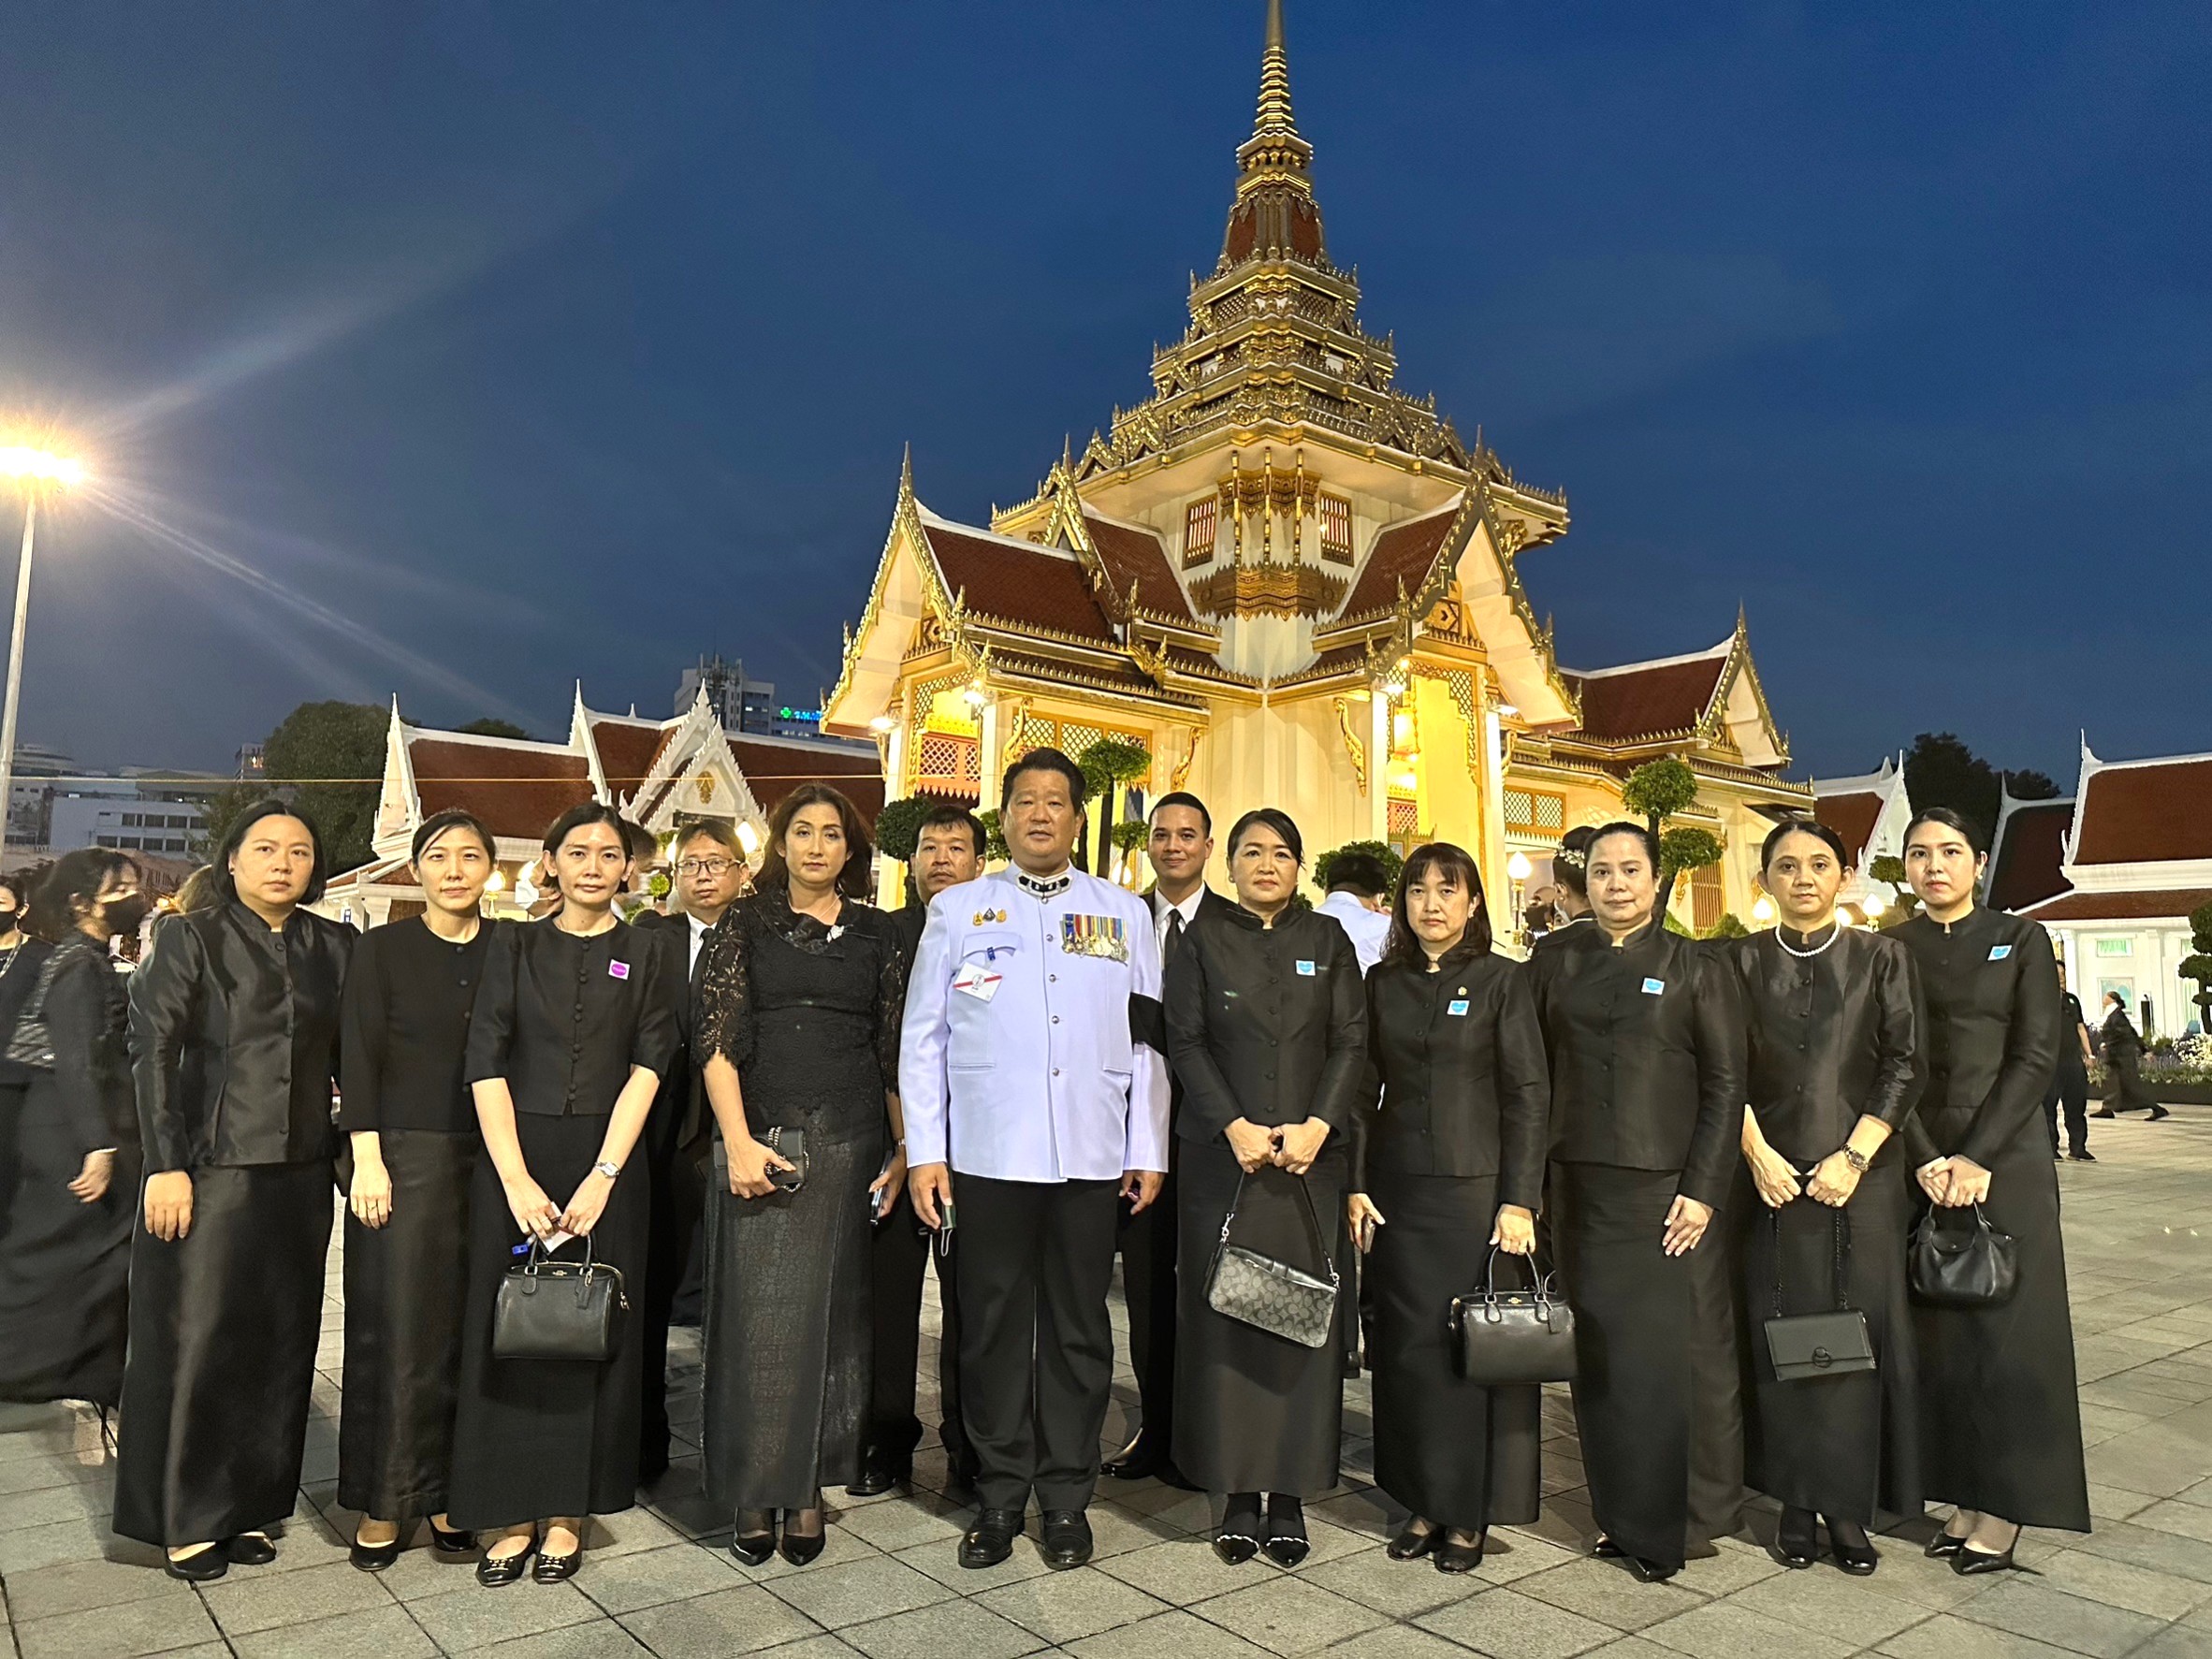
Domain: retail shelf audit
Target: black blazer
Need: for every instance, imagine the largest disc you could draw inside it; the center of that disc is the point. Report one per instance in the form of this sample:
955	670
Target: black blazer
234	1039
681	1115
87	1013
1457	1080
1647	1050
563	1019
1269	1025
1995	1022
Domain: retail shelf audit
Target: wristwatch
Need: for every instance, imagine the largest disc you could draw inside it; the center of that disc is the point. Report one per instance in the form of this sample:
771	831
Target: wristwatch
607	1167
1856	1159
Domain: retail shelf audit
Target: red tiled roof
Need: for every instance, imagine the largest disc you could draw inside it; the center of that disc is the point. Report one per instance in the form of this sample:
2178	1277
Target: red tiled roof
2026	869
1851	816
1647	701
1405	550
2142	814
773	770
516	791
1000	578
1132	553
2121	906
626	752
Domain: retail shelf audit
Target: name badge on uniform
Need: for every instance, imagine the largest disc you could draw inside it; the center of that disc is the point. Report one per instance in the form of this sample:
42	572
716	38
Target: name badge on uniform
1652	987
1094	935
1457	1010
1305	970
1999	953
978	983
619	971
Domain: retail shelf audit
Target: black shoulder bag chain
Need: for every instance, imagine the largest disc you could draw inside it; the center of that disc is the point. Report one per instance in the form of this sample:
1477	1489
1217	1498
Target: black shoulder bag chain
1833	1343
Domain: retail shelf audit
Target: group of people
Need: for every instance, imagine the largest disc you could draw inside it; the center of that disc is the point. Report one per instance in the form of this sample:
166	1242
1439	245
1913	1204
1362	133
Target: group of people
1024	1074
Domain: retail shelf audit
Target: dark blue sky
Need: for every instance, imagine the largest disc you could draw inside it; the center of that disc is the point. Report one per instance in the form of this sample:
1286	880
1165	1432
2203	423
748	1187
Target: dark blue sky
530	341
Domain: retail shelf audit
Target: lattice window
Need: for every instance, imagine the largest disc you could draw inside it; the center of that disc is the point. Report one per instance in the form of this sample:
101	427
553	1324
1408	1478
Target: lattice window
1535	812
1198	530
1708	898
1337	528
947	764
1405	823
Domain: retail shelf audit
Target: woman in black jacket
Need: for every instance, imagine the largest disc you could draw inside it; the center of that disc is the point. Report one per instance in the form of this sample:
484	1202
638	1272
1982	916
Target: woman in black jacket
2123	1064
1645	1041
1450	1165
2000	1419
234	1051
1266	1028
1835	1040
65	1242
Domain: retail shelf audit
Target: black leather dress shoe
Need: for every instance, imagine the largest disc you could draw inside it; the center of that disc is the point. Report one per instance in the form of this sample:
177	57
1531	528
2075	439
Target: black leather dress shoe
1797	1538
1944	1544
199	1567
373	1558
1140	1459
1854	1550
494	1571
990	1540
453	1543
249	1549
879	1476
1460	1558
1650	1572
1969	1561
1066	1538
1411	1546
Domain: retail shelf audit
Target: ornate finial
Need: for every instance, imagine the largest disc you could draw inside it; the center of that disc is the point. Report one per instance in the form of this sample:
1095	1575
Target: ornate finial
1274	117
905	472
1742	625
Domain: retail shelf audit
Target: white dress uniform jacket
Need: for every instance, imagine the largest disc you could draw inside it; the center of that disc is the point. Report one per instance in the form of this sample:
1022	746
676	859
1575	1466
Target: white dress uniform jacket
1025	1052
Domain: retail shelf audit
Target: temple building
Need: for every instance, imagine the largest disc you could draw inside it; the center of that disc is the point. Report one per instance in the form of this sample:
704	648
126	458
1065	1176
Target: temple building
1869	813
1295	585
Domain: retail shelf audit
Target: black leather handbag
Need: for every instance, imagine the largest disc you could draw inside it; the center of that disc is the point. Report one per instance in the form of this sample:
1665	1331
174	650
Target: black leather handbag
1276	1297
1833	1343
551	1309
1513	1336
1970	1267
31	1044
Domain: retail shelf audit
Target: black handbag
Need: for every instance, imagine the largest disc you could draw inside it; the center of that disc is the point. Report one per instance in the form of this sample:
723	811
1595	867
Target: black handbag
1513	1336
1833	1343
1274	1296
1977	1267
31	1044
551	1309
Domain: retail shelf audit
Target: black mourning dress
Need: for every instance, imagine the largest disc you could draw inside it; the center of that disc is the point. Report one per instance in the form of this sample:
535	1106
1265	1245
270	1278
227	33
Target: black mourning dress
234	1051
1459	1128
1645	1041
809	1015
1270	1025
19	977
2000	1422
562	1019
405	1020
1834	1036
65	1264
2123	1064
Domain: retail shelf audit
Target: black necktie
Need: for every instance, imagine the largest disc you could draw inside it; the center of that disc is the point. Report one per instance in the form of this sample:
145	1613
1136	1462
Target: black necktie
1175	942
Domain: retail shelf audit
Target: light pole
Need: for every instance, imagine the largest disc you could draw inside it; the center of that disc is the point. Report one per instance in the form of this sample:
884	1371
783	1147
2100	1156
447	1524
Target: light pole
34	470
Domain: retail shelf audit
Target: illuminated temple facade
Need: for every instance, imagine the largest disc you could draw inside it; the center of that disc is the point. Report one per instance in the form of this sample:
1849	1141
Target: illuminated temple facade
1298	586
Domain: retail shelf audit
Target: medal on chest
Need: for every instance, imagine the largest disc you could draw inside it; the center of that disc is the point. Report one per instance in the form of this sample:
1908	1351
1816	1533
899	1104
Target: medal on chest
1094	935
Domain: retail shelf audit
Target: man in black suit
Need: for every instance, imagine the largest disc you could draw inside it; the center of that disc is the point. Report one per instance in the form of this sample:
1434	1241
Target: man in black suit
1182	840
949	849
710	873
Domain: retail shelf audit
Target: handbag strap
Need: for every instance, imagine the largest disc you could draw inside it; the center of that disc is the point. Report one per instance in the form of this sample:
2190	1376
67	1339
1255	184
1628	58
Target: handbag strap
1313	1220
1539	1283
1842	1263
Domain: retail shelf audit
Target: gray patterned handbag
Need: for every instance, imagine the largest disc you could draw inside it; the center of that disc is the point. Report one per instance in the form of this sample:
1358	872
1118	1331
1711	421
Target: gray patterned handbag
1269	1295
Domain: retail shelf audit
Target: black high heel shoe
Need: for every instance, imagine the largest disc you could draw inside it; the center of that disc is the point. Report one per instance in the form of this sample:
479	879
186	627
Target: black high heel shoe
754	1545
454	1543
801	1548
1944	1544
1237	1541
1286	1543
496	1570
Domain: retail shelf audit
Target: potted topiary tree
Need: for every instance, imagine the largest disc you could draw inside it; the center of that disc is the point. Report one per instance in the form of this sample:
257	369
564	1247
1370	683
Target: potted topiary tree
1109	765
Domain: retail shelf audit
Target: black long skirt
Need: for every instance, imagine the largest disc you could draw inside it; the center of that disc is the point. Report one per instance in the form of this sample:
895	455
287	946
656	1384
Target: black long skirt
533	1439
1843	1445
1255	1412
224	1324
407	1284
1656	1400
1452	1451
789	1331
65	1264
1999	1420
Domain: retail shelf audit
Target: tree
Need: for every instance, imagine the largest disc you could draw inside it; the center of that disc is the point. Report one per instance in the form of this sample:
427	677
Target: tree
1108	764
489	727
327	759
1728	927
899	827
2198	965
995	845
1891	868
1392	864
1658	790
1684	850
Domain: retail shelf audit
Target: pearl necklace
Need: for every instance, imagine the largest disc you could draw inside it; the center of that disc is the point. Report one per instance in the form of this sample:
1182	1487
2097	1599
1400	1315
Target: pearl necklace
1835	932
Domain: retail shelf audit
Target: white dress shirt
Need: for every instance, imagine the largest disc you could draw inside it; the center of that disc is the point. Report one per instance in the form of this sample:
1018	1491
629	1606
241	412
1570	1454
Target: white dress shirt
1017	1060
1162	909
1370	929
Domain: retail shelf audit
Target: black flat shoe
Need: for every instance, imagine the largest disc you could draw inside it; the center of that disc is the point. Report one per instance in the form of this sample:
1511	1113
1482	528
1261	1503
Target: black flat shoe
552	1569
1411	1546
2159	1112
1649	1572
990	1540
1944	1544
200	1568
248	1549
373	1558
1797	1538
879	1476
1067	1535
1606	1550
457	1543
1852	1550
1460	1558
2083	1157
1969	1561
494	1571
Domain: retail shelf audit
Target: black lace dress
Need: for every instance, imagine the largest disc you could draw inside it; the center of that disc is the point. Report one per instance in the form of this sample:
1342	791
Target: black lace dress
809	1016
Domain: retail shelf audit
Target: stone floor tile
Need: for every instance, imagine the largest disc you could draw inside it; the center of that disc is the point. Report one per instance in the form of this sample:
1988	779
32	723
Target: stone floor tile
739	1621
2176	1641
2178	1515
1507	1624
1824	1599
624	1583
1182	1571
1600	1589
1061	1608
1722	1630
80	1586
1396	1589
246	1599
118	1632
1397	1641
2119	1584
2111	1502
1175	1635
1945	1637
1515	1552
602	1638
941	1561
2073	1622
964	1629
839	1549
1734	1564
859	1591
1289	1616
374	1633
903	1522
2147	1547
477	1617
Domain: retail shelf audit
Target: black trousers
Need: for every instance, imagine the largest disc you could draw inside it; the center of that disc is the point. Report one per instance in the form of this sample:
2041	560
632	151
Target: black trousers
677	1176
1035	1261
1147	1242
2070	1085
899	1252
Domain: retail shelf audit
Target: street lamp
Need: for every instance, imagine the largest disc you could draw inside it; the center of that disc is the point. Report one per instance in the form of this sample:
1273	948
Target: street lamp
33	470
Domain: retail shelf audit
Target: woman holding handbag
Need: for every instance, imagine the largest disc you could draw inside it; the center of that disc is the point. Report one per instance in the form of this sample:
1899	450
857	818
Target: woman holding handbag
1999	1420
1267	1031
1835	1025
801	989
1448	1168
574	1026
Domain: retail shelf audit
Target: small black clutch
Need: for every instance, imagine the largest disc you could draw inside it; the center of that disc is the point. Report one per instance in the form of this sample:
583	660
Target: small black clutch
550	1309
1834	1342
1505	1338
1976	1267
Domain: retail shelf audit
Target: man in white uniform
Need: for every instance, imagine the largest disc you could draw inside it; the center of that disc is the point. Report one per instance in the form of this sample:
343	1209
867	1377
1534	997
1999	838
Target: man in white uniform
1034	1100
1358	898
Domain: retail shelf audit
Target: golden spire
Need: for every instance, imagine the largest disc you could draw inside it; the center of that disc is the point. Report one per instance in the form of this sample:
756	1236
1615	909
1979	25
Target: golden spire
1274	215
1274	81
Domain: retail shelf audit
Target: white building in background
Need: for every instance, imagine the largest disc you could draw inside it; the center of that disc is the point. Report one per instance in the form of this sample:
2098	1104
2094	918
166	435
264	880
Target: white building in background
2136	860
87	812
1871	812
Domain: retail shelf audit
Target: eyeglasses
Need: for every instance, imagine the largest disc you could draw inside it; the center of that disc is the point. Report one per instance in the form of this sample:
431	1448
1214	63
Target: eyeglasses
706	866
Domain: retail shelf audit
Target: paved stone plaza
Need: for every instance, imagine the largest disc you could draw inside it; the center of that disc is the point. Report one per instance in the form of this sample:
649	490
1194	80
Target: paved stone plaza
2139	1233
